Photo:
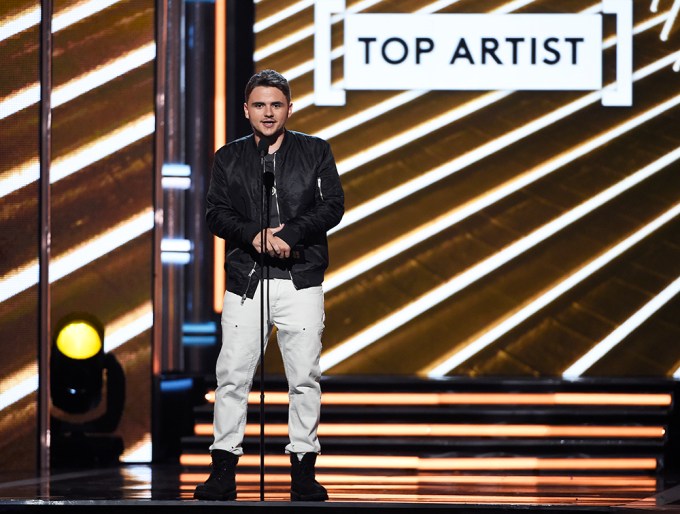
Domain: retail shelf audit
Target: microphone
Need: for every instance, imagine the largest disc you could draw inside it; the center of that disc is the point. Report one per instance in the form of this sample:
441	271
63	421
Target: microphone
268	175
263	146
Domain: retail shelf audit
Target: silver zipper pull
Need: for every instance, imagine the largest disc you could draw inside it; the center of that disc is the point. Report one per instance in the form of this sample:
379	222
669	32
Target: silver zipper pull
243	298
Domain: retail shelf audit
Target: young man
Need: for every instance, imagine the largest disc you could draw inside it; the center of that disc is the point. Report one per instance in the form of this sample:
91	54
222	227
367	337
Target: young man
306	201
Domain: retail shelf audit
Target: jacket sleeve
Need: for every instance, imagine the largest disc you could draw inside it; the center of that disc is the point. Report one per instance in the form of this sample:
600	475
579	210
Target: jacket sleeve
223	220
329	206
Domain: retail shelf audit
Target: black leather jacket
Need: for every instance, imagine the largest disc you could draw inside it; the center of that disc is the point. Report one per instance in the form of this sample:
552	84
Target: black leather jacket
310	198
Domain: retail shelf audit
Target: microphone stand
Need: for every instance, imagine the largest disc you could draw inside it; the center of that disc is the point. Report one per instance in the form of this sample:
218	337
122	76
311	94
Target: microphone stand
267	179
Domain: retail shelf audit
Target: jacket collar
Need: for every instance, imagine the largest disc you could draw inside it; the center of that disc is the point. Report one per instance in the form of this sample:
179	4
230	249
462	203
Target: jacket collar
285	144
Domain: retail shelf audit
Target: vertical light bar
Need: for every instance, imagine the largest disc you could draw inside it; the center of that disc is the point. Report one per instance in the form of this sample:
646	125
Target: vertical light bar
219	277
44	204
157	342
324	93
622	331
622	93
220	73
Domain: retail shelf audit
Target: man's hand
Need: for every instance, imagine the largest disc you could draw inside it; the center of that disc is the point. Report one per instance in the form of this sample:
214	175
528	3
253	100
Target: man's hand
282	250
274	246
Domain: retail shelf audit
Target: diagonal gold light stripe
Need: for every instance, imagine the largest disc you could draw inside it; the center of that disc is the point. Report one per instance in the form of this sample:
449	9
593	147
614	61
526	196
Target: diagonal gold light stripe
407	313
604	346
78	86
62	19
491	333
26	276
28	172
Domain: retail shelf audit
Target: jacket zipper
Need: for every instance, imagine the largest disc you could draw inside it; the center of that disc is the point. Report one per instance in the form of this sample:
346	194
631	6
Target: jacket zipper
278	210
275	191
250	276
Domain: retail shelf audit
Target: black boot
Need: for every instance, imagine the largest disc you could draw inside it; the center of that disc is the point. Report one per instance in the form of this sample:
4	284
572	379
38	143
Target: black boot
221	484
303	486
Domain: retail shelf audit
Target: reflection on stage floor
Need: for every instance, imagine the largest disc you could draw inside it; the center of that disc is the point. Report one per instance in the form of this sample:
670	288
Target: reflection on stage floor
173	486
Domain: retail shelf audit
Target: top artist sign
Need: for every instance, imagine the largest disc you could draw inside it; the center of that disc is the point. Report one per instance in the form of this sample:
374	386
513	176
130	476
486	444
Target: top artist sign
473	52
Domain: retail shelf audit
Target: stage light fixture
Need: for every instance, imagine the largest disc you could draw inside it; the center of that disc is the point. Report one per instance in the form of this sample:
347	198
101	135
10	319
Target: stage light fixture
81	433
77	362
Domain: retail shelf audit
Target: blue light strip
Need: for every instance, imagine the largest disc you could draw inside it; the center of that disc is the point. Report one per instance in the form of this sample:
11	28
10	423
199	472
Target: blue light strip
209	327
199	340
176	385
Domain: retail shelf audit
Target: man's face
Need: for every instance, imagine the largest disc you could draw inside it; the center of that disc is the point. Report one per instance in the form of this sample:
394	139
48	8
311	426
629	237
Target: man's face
267	110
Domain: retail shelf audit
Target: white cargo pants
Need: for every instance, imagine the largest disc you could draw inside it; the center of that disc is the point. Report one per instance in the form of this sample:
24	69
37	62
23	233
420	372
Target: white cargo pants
299	318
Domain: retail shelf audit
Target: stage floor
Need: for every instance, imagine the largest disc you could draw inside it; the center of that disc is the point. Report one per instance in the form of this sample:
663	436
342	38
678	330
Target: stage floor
169	487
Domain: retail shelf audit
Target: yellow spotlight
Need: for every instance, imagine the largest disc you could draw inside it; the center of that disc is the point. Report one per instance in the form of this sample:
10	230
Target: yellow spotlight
77	363
79	340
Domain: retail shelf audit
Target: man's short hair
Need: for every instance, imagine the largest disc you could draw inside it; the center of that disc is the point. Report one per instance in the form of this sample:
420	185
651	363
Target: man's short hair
268	78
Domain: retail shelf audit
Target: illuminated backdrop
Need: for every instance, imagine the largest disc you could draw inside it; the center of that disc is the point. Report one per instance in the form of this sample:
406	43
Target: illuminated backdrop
489	233
102	181
19	218
498	233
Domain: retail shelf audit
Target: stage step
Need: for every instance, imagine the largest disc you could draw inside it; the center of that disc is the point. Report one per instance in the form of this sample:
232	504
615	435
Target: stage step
463	424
